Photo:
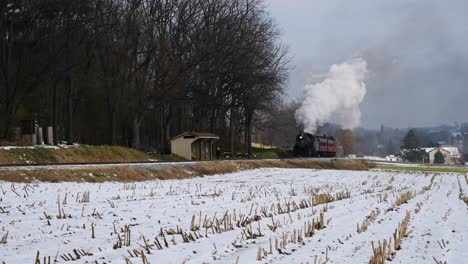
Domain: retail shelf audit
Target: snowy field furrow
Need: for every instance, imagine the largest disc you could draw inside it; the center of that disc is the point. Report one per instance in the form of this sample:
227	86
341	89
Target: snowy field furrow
343	239
257	216
443	217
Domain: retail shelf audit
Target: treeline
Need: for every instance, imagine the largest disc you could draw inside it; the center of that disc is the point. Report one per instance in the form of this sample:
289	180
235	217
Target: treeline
137	72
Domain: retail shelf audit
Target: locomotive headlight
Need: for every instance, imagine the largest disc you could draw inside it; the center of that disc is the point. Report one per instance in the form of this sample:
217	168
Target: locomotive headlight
300	137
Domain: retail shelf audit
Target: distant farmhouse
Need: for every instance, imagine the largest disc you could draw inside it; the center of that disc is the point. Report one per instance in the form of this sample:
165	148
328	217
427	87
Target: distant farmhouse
393	158
452	154
465	147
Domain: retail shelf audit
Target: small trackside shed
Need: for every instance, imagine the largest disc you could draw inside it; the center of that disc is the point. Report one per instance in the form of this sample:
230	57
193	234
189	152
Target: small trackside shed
194	145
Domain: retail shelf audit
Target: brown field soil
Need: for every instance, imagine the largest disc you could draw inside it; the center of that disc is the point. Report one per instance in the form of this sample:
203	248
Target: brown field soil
78	154
127	174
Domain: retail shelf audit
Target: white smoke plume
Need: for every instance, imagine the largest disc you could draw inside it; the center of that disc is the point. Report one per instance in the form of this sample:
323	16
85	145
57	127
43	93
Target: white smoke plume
336	99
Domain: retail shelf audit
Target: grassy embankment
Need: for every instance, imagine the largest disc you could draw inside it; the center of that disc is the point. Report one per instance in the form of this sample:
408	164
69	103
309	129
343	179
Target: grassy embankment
84	154
75	154
128	173
423	169
271	153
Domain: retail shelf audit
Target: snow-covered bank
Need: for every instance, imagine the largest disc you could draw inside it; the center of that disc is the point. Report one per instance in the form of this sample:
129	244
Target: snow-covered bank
227	218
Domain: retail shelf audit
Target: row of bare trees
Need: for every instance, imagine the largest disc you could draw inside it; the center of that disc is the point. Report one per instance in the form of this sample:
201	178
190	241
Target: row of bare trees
137	72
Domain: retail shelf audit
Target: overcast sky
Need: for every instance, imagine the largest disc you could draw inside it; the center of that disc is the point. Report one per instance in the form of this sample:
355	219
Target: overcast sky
417	54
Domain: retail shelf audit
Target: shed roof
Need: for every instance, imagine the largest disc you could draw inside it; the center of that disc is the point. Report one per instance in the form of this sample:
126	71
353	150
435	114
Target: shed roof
196	135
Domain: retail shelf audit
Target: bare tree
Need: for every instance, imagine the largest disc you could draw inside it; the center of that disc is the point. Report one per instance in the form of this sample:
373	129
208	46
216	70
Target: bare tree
138	72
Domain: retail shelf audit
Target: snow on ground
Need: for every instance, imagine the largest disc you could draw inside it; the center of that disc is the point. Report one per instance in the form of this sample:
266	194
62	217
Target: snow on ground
232	218
59	146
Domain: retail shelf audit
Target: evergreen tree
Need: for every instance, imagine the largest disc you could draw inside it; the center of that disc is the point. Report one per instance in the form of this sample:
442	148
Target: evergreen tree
411	147
439	158
411	141
415	155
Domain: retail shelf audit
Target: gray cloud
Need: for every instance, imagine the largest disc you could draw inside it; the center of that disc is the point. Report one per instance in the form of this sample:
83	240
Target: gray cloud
417	54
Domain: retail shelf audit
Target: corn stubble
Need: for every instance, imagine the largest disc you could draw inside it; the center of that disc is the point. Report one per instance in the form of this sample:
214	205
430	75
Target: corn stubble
386	250
277	216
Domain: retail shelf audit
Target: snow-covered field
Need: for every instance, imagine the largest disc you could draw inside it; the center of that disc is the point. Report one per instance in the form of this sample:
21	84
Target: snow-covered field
257	216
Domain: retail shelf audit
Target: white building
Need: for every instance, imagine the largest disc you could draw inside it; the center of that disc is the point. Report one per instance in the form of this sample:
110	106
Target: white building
451	154
393	158
465	146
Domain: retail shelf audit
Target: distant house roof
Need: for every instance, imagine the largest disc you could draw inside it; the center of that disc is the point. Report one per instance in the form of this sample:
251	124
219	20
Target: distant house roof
196	135
428	149
439	149
453	150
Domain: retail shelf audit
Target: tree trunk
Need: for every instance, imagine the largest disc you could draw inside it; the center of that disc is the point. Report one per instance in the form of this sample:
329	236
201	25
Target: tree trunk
167	129
161	129
9	116
232	131
248	134
113	127
136	124
167	149
212	119
69	122
54	113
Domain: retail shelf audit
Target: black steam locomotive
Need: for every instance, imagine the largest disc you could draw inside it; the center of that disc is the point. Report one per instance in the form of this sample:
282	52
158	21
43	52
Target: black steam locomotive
308	145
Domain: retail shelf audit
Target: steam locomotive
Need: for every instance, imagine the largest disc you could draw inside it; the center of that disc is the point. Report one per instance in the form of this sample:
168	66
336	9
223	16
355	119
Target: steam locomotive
308	145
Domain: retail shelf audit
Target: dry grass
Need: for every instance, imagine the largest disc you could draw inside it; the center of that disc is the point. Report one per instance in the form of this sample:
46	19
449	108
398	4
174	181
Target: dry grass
464	198
426	169
462	195
127	174
4	238
369	220
384	252
403	198
79	154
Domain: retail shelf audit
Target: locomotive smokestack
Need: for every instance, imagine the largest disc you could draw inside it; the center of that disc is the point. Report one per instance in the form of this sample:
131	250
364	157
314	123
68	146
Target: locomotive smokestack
335	99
